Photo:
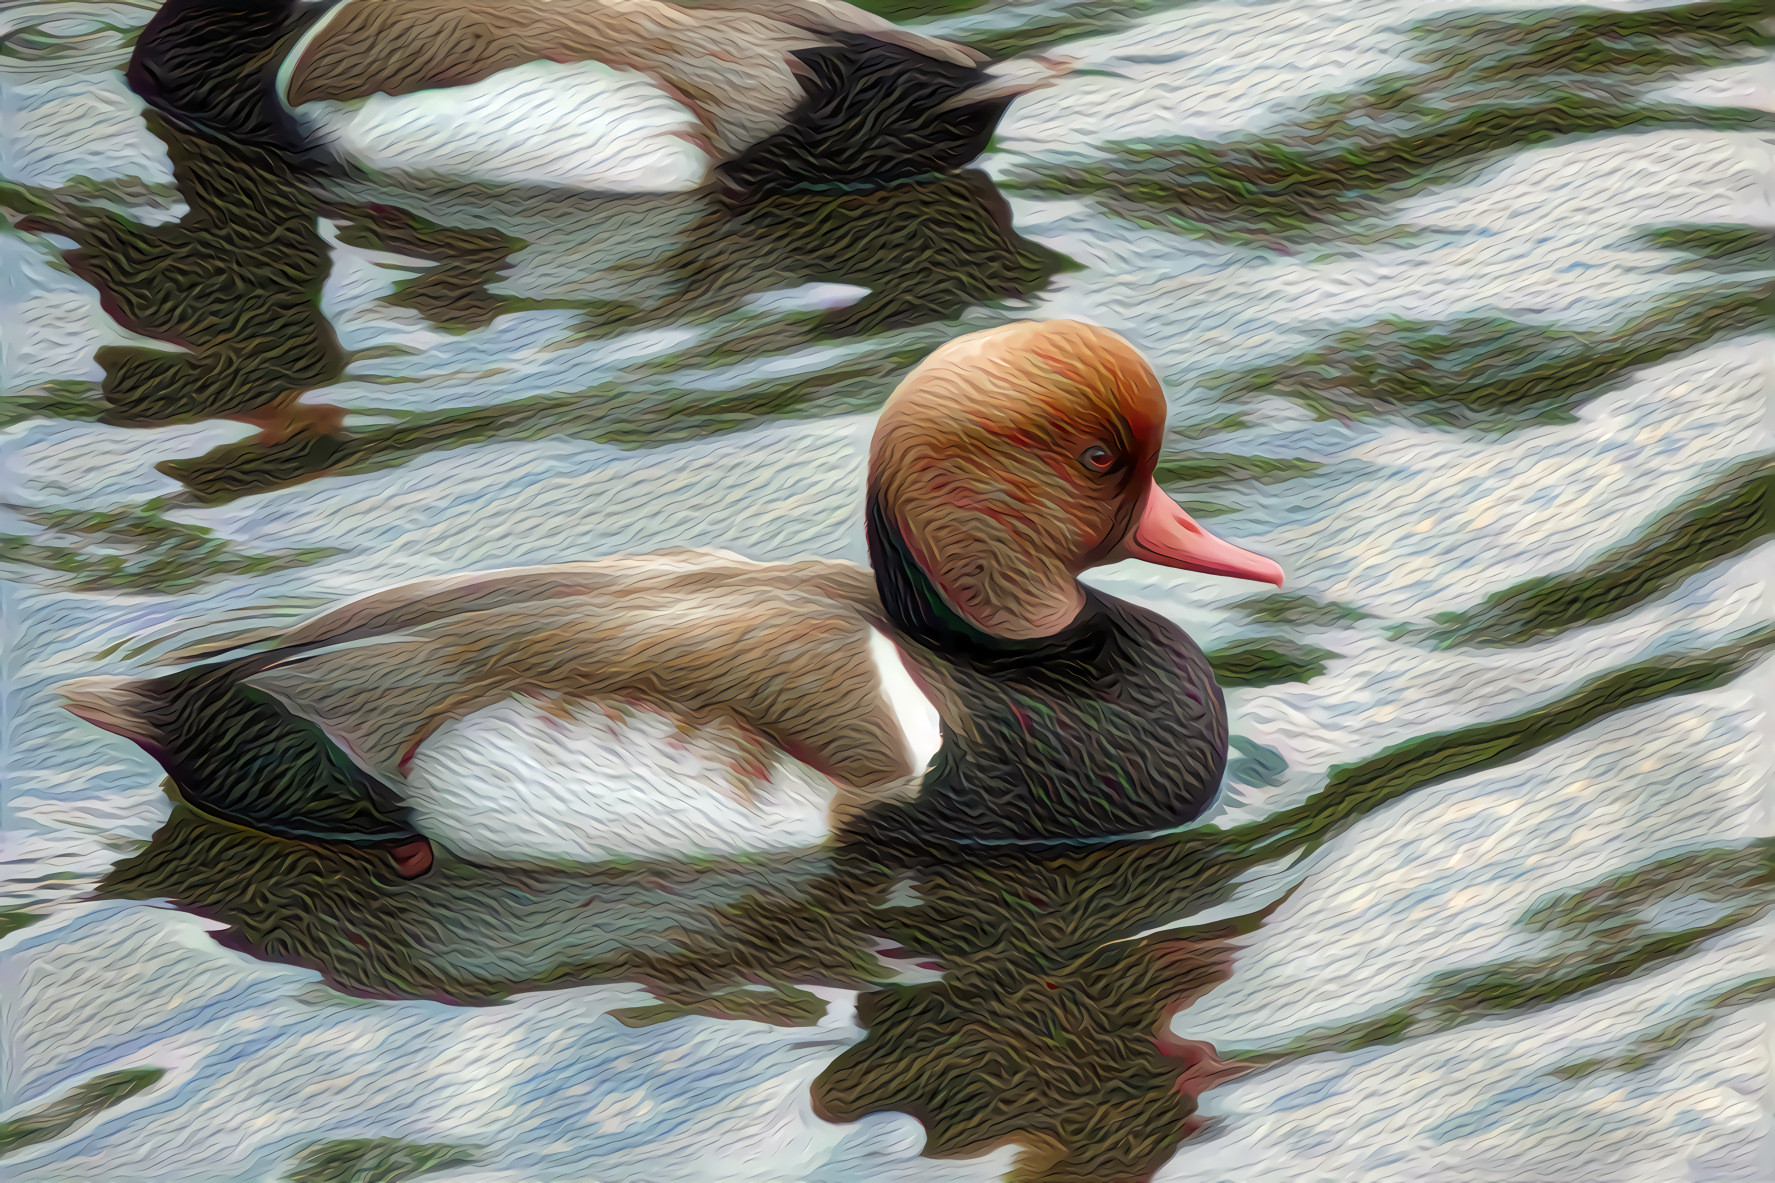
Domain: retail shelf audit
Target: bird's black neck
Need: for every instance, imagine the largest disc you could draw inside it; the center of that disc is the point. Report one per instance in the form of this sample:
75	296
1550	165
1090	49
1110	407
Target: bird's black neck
1111	726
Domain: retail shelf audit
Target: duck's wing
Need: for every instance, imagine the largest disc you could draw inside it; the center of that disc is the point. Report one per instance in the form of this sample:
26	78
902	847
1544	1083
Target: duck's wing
789	651
791	663
732	68
423	601
835	16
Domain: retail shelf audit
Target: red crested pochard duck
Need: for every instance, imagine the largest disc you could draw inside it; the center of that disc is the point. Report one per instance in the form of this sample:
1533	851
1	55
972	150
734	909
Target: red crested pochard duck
631	96
696	704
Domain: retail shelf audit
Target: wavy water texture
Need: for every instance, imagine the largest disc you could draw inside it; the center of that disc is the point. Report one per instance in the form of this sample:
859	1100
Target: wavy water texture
1494	82
1461	315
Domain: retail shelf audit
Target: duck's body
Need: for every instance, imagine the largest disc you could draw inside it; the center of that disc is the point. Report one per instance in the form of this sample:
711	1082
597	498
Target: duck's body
603	95
480	710
695	704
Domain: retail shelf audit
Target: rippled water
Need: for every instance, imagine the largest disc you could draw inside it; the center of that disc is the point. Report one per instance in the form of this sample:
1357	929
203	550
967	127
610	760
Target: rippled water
1464	911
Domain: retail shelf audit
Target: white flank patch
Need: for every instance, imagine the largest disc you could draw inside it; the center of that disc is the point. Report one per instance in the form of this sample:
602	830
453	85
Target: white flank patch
526	782
582	125
918	718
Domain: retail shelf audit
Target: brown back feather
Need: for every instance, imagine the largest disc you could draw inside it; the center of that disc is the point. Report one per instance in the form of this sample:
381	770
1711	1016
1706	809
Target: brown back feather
782	647
732	67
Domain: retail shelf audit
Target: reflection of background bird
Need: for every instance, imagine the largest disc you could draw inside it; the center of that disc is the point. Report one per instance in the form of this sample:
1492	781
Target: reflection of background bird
235	282
921	252
926	250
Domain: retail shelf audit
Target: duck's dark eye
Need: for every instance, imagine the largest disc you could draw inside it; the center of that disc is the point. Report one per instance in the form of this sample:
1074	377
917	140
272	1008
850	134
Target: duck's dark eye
1098	458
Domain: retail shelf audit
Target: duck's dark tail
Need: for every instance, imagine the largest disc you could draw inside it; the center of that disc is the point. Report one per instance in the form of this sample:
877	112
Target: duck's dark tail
235	752
877	113
209	66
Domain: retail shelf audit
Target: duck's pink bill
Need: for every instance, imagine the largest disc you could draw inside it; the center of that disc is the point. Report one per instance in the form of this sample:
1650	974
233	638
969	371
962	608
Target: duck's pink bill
1171	538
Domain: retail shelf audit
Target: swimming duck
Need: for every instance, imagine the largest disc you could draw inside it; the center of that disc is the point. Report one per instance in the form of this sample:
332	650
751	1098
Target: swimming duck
607	95
695	704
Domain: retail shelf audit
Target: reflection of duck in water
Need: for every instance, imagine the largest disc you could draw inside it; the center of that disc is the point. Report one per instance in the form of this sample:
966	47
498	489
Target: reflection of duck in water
234	282
607	95
1050	1027
467	933
1011	1000
720	706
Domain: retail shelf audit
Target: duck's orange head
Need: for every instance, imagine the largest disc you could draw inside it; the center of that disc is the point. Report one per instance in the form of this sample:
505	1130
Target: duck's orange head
1015	458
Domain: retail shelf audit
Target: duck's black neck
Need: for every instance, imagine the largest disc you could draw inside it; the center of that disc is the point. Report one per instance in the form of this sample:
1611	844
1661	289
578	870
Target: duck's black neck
1112	726
917	609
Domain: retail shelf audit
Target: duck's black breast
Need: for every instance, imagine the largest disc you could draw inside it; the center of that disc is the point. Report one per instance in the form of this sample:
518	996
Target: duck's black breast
870	118
1116	728
1113	727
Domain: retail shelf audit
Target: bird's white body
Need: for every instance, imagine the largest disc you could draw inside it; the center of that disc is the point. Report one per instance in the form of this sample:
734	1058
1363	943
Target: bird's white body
535	780
529	781
579	125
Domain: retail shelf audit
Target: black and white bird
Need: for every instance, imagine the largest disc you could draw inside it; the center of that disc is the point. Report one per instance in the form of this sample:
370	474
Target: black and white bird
624	96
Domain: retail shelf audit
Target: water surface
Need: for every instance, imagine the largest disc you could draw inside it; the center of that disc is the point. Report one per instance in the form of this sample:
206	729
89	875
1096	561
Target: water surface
1485	895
